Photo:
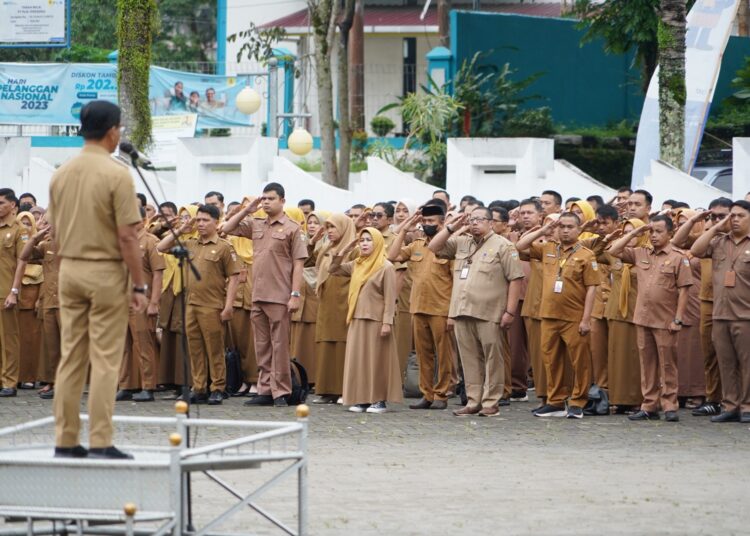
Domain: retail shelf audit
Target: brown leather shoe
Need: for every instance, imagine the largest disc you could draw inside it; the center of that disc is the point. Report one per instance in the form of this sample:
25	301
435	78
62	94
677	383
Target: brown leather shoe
489	412
439	404
466	411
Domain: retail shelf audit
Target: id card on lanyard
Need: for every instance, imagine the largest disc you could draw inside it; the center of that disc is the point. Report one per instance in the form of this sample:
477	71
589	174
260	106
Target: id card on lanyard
465	270
561	264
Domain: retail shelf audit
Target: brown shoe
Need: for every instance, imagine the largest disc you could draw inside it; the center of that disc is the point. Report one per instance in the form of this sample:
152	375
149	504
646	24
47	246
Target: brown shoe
489	412
466	411
439	404
422	404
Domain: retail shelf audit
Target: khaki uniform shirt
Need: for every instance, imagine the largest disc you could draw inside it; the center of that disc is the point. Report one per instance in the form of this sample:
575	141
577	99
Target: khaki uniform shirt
604	289
576	267
91	195
45	251
13	240
532	303
660	276
377	297
731	303
432	279
707	285
215	260
276	245
491	265
153	261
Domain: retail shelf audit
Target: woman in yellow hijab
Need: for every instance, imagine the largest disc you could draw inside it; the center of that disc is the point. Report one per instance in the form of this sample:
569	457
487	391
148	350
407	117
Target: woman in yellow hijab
330	327
372	374
170	313
585	213
624	361
29	325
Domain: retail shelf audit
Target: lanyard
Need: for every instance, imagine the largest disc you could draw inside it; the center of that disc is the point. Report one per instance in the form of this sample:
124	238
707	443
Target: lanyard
479	246
562	262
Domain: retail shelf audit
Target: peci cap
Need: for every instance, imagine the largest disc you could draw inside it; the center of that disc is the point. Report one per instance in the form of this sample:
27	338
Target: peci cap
432	210
97	117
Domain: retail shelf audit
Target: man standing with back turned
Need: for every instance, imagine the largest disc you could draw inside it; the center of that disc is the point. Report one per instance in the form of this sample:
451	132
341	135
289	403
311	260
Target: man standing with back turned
92	191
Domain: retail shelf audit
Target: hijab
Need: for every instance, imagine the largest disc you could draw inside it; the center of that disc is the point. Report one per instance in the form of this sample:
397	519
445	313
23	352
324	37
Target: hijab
296	214
588	214
410	205
172	271
345	226
365	267
310	273
625	287
32	275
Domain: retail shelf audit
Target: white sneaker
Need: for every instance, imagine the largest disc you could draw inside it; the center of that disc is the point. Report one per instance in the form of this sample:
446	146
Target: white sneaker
340	400
377	407
358	408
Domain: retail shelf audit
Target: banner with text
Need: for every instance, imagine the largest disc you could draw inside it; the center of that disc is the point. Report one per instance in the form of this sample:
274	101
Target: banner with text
53	94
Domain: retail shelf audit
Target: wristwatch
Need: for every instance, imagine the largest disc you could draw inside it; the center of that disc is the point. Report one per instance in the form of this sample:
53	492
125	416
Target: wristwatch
14	291
296	294
141	290
678	322
449	228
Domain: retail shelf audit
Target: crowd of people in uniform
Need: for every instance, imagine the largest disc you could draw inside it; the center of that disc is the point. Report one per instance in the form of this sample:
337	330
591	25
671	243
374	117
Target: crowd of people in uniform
648	305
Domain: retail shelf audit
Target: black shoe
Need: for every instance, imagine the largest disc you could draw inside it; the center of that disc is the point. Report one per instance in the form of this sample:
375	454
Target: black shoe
109	453
198	398
519	396
280	402
439	404
644	415
574	412
7	392
260	400
144	396
216	398
671	416
503	402
707	409
422	404
71	452
727	416
550	411
745	417
47	395
123	394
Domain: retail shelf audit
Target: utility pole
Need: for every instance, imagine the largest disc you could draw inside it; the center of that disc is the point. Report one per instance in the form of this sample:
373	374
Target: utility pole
444	22
357	69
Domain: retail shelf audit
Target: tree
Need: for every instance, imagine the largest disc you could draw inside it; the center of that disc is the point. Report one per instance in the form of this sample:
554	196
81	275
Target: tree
345	127
672	88
136	24
323	16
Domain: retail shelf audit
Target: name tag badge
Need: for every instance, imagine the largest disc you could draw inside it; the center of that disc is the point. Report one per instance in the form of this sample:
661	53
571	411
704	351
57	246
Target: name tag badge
464	272
558	286
730	279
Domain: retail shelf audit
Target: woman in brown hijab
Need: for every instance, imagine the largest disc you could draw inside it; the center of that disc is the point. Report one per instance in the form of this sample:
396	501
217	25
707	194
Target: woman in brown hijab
29	323
330	328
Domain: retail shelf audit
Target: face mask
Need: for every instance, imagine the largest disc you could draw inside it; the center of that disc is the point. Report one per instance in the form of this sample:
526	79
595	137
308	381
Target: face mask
430	230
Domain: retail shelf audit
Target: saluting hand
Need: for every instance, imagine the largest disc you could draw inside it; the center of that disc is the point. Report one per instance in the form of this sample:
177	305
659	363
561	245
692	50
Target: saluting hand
188	226
318	235
362	219
614	235
589	226
350	246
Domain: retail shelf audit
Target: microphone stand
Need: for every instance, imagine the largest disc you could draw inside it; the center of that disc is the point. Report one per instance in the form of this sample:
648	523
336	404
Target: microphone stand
183	259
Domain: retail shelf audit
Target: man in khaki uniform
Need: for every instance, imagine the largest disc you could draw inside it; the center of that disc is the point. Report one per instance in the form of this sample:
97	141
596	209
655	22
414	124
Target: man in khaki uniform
139	367
432	282
13	243
664	278
569	280
486	288
209	301
92	191
730	253
279	253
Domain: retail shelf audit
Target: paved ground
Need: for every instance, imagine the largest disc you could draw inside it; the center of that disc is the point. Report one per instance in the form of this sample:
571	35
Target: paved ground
427	472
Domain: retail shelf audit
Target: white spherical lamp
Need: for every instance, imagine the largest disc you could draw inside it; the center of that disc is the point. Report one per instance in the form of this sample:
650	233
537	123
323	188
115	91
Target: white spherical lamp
300	142
248	101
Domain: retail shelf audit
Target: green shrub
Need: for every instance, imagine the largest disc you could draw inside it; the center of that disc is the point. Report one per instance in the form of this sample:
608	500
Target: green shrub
382	125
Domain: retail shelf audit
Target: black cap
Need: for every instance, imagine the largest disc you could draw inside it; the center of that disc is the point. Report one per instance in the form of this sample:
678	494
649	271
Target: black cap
97	117
433	210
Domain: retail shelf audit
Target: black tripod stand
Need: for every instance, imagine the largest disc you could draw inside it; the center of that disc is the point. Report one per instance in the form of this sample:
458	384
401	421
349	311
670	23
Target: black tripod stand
180	252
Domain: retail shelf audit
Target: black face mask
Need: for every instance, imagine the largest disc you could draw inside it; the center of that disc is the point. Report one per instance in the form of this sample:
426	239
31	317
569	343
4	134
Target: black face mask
430	230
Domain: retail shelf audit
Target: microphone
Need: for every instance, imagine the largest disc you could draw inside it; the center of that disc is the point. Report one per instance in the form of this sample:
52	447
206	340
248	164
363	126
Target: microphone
138	160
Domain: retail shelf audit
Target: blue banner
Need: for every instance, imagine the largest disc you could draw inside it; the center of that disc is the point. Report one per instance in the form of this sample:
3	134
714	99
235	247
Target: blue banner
53	94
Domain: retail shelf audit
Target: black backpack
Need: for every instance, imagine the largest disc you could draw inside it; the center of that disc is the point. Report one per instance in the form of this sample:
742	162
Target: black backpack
233	365
300	386
598	403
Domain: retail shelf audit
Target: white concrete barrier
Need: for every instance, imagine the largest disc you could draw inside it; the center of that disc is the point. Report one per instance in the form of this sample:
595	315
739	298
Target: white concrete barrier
667	182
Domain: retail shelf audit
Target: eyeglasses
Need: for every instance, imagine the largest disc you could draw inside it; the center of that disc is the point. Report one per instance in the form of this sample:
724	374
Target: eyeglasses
377	215
477	219
716	217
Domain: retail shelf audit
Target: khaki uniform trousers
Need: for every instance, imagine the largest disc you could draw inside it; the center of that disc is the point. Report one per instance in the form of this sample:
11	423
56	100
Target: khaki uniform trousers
10	344
517	362
139	368
433	345
658	351
205	334
480	348
600	352
51	345
93	320
271	327
534	331
732	341
242	334
710	362
562	342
